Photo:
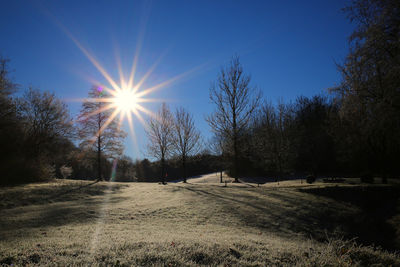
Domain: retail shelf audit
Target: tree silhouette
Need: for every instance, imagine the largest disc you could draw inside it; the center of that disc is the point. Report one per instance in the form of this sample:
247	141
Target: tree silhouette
7	87
45	120
235	103
186	137
98	130
160	134
10	128
369	92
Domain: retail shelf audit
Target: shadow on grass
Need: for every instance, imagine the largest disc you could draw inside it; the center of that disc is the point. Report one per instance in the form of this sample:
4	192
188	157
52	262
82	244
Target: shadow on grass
311	212
377	205
36	194
56	196
40	207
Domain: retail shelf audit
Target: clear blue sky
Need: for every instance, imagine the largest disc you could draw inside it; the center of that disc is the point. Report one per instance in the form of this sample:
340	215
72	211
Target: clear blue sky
288	47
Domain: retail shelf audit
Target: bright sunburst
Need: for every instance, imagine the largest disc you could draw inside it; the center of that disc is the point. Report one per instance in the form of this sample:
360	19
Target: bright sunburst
126	100
126	97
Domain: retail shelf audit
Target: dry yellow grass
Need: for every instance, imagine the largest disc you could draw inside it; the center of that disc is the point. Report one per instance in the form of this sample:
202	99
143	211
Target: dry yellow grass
142	224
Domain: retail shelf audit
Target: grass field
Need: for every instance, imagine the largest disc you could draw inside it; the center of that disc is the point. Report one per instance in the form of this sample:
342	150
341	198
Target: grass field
200	223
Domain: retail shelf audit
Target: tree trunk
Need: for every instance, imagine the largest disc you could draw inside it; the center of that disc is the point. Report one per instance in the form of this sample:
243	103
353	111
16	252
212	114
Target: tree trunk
98	159
163	170
383	165
99	149
184	169
235	159
235	149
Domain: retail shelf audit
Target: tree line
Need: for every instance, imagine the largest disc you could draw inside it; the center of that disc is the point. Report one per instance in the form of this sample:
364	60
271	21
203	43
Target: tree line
40	140
352	129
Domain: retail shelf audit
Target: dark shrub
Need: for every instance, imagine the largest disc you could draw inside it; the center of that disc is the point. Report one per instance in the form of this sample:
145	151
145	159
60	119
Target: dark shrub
333	180
367	178
310	179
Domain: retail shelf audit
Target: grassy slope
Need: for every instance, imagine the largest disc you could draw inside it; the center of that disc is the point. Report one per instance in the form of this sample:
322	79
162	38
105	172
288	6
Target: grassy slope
69	222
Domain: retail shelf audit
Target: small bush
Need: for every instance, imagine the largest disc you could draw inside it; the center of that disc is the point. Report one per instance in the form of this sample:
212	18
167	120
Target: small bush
310	179
66	171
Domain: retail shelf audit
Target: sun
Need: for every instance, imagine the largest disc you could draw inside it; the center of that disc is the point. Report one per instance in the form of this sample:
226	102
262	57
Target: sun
126	100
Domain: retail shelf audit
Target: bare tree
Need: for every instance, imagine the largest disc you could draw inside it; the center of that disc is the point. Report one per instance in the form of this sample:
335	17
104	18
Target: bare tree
10	128
7	88
99	130
369	91
272	137
125	170
186	140
45	126
45	120
235	103
160	134
216	146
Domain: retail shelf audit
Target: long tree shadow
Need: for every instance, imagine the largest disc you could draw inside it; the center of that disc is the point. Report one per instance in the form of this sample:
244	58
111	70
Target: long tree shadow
377	204
35	195
279	215
58	195
308	213
74	206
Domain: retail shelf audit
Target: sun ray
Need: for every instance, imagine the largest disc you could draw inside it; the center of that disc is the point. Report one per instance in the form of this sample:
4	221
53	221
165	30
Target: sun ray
94	61
111	91
127	85
131	128
121	117
133	69
133	133
152	100
89	56
167	82
120	72
108	121
100	100
104	126
148	73
125	111
142	31
97	111
144	110
135	59
139	116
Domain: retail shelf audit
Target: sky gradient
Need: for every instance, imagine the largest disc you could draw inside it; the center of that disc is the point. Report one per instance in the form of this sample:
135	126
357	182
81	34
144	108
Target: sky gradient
288	47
